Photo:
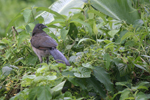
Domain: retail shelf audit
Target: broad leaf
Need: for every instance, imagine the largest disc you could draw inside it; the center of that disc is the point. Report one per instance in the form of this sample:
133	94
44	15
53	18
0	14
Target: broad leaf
41	93
83	73
118	9
57	88
62	7
103	77
124	94
92	82
63	34
6	70
26	14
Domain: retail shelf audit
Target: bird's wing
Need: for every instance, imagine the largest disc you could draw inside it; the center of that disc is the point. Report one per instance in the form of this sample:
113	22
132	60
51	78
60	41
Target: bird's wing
43	41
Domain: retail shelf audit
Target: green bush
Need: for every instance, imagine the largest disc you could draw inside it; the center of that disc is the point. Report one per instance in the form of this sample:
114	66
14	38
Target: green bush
107	46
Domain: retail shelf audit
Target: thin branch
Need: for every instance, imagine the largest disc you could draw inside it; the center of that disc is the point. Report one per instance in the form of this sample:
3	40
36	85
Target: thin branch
14	29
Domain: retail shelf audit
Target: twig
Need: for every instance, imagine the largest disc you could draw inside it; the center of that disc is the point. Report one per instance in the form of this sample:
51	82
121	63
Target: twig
14	29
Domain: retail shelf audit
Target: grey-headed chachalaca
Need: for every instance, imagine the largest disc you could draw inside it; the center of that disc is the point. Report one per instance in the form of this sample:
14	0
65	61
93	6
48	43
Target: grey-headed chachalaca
44	46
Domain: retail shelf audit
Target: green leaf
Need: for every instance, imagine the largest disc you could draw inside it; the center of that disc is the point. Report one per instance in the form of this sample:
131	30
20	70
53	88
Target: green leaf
79	82
55	90
127	35
103	77
83	73
107	60
50	11
125	94
82	23
40	19
87	65
92	82
118	9
27	80
98	13
6	70
86	39
122	83
62	7
31	60
26	14
141	96
73	31
39	78
40	92
146	56
48	77
110	46
141	67
91	15
95	30
63	34
112	33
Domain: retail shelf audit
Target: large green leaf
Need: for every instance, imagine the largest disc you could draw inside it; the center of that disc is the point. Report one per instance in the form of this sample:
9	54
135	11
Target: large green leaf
92	82
118	9
103	77
40	92
57	89
62	7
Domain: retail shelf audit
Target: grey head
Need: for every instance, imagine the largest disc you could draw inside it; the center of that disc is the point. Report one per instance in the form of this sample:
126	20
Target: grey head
38	28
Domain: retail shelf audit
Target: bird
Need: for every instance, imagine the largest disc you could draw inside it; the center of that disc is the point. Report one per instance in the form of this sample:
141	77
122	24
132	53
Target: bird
44	46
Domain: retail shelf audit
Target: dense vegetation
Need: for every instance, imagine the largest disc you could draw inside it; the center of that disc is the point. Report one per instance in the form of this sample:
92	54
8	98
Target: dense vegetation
106	42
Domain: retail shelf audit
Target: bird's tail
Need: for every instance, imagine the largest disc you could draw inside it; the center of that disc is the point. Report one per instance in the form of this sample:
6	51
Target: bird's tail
59	57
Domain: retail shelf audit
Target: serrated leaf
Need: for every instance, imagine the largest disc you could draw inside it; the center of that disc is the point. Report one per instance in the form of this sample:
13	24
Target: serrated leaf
103	77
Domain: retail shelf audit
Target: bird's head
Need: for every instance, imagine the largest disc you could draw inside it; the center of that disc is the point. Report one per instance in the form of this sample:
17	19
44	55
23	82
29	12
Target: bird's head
38	28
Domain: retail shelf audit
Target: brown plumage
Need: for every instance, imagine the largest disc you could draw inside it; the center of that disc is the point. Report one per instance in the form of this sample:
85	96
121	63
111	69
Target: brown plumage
44	46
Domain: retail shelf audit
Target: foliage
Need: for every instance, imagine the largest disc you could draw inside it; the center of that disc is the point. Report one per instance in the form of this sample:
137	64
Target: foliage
9	9
109	55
